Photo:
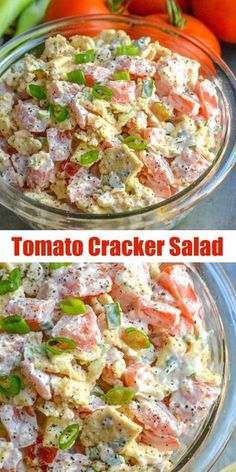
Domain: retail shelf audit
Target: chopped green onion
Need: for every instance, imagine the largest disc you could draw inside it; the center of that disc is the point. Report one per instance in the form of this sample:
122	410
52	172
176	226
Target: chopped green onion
59	346
43	115
69	436
136	142
77	76
121	75
148	87
119	396
89	157
84	57
113	315
10	385
12	283
58	265
15	325
130	50
58	112
37	91
161	111
136	339
73	306
102	92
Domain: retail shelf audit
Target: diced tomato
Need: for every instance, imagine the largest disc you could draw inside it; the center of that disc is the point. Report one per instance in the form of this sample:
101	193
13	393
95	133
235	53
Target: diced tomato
160	314
194	398
136	66
160	427
63	92
89	80
27	114
156	174
184	103
189	165
124	91
47	455
71	169
138	375
59	144
82	329
207	94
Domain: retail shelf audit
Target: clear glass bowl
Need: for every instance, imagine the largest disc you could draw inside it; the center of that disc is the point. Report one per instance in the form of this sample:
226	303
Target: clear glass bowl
219	303
165	214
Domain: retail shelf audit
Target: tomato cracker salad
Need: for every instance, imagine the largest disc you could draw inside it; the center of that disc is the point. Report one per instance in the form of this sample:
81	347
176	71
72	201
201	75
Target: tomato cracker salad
107	124
104	367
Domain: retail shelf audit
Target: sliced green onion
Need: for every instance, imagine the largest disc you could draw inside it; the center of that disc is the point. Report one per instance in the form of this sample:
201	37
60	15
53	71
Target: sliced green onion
113	315
136	339
102	92
136	142
12	283
89	157
130	50
10	385
58	265
121	75
37	92
77	76
161	111
59	346
84	57
119	396
73	306
148	87
58	112
69	436
15	325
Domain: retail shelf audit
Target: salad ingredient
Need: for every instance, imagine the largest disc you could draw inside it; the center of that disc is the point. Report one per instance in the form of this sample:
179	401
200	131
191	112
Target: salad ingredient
177	21
121	382
60	9
219	16
115	134
150	7
14	324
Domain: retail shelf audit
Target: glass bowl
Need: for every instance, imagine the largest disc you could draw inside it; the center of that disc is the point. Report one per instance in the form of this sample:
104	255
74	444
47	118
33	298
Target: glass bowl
219	304
163	215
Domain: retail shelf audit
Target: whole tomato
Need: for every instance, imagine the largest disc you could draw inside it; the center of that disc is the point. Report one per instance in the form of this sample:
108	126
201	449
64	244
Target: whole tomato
150	7
219	15
192	27
61	8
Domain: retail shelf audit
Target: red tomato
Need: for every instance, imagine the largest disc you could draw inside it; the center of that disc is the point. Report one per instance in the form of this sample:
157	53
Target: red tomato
219	15
34	325
150	7
193	28
61	8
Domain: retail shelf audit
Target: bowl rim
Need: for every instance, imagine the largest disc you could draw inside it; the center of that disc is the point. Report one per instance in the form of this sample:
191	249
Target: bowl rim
184	198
